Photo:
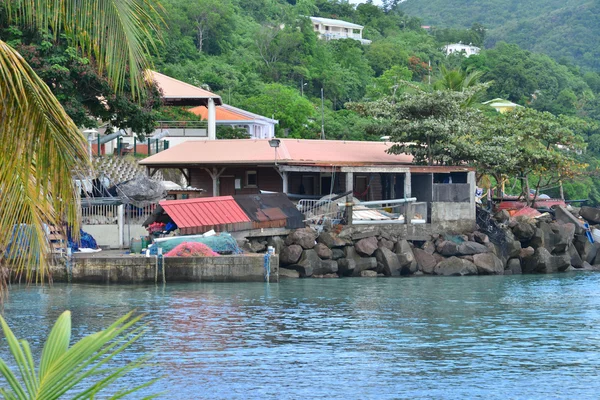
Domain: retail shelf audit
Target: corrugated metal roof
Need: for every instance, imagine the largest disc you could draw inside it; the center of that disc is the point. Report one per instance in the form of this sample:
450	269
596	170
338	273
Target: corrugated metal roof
200	215
264	209
178	92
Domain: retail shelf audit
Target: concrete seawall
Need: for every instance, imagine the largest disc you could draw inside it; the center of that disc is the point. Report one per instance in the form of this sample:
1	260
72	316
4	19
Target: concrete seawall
136	269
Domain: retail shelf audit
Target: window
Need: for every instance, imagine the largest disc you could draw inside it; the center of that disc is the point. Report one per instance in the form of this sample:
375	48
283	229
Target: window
251	179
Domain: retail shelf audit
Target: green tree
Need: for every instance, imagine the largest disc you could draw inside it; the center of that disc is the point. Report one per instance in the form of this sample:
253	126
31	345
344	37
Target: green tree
295	113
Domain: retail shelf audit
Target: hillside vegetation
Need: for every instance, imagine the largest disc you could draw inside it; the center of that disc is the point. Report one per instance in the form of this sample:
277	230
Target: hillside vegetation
567	30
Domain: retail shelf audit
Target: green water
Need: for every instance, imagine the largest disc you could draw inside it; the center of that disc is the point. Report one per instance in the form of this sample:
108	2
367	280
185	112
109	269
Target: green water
418	338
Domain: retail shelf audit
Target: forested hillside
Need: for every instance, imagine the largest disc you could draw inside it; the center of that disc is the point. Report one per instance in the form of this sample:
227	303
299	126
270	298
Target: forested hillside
567	30
263	56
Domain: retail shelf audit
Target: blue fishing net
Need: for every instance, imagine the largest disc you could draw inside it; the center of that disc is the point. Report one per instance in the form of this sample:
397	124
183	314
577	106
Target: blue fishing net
86	241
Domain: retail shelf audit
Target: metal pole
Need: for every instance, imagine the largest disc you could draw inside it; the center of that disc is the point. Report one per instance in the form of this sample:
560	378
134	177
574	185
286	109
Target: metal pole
149	147
322	116
134	146
99	153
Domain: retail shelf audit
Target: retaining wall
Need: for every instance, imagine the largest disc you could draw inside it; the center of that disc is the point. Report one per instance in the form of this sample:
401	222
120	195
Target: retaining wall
135	269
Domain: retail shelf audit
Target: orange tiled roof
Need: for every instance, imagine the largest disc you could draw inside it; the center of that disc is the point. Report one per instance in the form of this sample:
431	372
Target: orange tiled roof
175	91
222	114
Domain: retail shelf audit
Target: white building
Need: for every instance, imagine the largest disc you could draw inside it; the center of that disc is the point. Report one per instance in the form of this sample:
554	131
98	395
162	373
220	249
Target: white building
333	29
466	49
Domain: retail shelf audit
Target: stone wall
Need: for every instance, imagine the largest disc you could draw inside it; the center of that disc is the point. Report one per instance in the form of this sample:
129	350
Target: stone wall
514	246
136	269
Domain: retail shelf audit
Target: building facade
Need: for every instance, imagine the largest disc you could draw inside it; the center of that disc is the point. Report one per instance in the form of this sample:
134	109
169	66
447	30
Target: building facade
334	29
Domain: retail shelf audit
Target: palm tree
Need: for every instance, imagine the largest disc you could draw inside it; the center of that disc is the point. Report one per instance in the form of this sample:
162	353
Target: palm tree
40	146
65	369
457	79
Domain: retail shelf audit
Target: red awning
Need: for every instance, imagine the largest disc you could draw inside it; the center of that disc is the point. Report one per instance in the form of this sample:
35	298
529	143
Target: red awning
195	216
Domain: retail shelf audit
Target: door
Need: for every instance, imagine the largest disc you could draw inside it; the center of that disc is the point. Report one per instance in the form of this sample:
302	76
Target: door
226	186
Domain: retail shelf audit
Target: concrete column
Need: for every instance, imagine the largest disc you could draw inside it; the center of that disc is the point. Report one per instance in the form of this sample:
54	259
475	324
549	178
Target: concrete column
212	120
471	180
285	180
120	219
349	181
407	185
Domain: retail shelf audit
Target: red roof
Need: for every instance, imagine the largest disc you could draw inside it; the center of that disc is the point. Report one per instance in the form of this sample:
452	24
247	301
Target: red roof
201	215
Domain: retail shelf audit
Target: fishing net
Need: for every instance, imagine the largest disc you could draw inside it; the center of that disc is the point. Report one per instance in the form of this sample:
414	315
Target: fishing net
222	243
192	249
490	227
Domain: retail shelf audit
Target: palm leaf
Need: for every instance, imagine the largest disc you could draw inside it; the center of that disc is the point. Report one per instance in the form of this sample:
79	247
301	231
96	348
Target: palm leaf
119	34
63	368
40	149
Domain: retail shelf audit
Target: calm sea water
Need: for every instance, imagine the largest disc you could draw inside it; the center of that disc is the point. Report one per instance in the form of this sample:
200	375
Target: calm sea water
417	338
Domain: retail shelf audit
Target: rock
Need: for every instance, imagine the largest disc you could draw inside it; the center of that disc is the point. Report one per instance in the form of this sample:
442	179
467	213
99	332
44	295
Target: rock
366	246
539	239
402	246
588	267
512	248
562	237
368	274
290	254
304	237
428	247
508	272
514	266
406	257
561	262
502	216
563	215
591	214
447	248
526	252
277	243
310	264
488	264
364	234
468	258
455	266
323	251
576	260
388	244
285	273
544	263
438	258
336	254
523	231
425	261
330	240
256	245
588	251
387	262
354	263
470	248
480	237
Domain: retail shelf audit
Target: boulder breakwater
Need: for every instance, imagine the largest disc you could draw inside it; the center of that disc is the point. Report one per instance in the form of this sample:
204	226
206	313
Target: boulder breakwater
501	245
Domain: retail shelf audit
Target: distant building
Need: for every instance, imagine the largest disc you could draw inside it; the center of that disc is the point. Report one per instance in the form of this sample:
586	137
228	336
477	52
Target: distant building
257	126
467	50
333	29
502	105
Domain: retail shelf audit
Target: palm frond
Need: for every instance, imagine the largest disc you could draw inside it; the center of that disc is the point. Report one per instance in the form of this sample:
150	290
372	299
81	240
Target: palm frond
119	34
40	149
63	368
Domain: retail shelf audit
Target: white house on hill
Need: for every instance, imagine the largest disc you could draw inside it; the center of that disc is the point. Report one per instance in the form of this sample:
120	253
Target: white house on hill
333	29
466	49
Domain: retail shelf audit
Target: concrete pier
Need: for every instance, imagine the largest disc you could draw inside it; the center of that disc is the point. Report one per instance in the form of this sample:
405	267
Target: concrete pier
133	269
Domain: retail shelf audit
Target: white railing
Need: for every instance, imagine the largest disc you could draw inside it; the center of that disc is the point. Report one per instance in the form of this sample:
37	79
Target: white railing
316	211
101	214
108	214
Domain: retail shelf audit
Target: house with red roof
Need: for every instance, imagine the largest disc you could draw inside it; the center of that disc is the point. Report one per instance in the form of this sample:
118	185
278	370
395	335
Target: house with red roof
311	169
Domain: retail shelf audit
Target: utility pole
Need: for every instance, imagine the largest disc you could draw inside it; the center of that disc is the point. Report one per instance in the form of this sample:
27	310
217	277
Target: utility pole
429	79
302	87
322	116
